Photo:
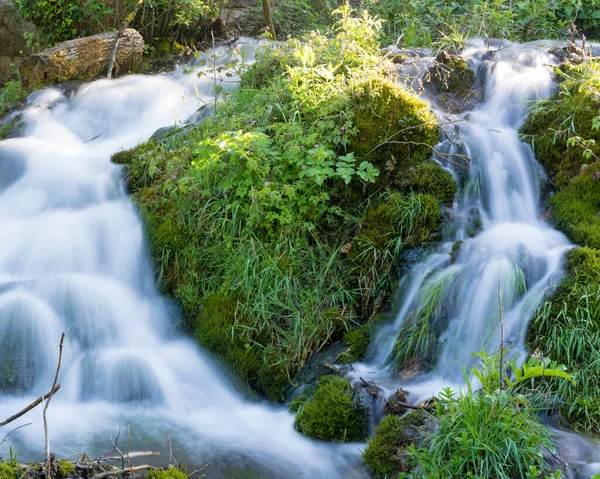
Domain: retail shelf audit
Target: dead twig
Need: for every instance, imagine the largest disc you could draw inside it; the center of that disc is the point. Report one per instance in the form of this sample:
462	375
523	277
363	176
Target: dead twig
127	470
15	429
47	403
30	407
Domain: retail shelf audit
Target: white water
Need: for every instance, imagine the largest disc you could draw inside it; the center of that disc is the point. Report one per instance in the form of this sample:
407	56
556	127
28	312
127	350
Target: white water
73	258
514	248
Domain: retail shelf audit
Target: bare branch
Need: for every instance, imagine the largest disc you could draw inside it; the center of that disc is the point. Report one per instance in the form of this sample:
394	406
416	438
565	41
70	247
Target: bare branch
15	429
30	407
128	470
47	403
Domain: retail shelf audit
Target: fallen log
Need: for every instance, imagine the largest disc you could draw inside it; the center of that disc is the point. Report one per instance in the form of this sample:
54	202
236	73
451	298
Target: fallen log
81	59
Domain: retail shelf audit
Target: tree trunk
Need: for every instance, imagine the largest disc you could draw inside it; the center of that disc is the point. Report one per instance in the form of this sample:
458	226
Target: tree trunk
266	6
82	58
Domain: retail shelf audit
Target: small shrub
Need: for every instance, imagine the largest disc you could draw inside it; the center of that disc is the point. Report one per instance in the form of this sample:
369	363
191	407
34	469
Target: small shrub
332	414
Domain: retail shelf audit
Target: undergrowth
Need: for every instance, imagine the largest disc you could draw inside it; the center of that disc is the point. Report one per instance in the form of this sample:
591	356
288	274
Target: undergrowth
276	232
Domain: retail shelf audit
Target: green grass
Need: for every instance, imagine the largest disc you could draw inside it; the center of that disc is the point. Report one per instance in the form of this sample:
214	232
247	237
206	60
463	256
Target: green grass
276	237
570	112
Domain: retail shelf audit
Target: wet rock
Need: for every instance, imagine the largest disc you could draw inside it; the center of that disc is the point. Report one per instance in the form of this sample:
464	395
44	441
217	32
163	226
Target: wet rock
451	81
395	404
412	368
572	54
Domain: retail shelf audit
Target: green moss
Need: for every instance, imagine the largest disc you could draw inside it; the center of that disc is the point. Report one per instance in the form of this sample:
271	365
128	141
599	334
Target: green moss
215	331
431	179
358	341
575	208
9	470
393	222
385	109
453	81
568	113
170	473
332	413
387	450
65	468
567	329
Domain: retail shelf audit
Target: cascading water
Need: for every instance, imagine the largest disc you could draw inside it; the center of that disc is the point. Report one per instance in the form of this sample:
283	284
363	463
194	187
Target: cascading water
504	240
72	258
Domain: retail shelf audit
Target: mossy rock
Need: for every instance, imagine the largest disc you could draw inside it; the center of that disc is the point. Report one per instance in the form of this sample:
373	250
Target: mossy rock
387	450
392	223
568	113
387	112
576	208
215	331
431	179
170	473
9	470
358	341
65	469
453	81
333	413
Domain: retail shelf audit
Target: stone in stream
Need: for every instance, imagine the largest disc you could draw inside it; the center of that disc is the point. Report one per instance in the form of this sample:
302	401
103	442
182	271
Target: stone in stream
82	58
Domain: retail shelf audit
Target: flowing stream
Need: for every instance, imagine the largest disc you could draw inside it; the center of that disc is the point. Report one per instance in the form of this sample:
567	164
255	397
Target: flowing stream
505	242
73	258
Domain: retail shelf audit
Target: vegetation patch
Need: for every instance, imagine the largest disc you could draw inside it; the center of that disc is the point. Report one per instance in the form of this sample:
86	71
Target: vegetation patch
560	129
276	236
387	452
332	413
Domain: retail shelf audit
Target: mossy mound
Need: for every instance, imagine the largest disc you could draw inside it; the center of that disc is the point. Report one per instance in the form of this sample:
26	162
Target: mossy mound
394	128
9	470
568	113
387	450
576	208
567	329
431	179
452	80
65	469
215	330
390	223
170	473
332	414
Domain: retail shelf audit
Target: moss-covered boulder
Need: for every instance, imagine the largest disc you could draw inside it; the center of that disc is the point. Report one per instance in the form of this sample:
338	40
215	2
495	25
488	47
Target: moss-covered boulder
215	331
452	81
430	178
576	208
569	113
394	128
387	450
333	413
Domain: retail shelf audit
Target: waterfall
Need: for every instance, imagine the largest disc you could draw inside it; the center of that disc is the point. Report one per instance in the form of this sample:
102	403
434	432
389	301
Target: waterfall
73	258
503	240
